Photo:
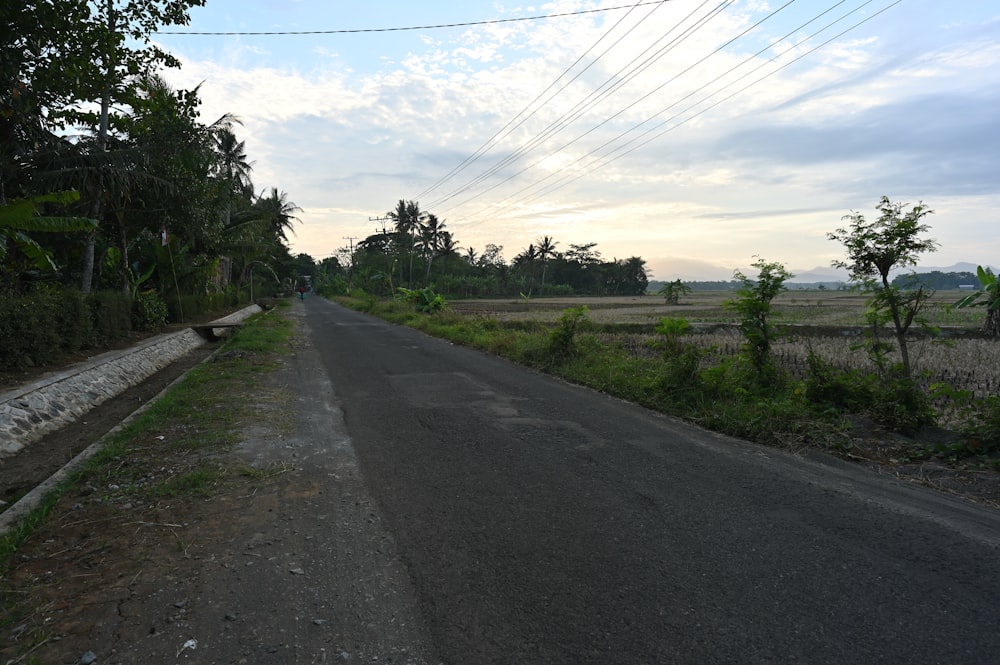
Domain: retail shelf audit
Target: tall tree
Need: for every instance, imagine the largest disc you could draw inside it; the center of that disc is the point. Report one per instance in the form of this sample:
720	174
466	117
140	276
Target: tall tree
409	220
118	48
278	213
232	166
546	250
876	248
431	234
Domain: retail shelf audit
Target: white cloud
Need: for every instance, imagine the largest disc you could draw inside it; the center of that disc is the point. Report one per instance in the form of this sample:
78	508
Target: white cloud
870	115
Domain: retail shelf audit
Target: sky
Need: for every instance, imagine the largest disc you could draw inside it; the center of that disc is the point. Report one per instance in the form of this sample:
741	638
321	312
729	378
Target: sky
697	134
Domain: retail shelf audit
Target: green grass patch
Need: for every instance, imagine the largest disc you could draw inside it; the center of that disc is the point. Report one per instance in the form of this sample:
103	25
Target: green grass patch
265	473
199	482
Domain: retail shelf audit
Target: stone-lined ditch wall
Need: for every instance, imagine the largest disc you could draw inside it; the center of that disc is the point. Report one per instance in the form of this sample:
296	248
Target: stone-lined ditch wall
29	412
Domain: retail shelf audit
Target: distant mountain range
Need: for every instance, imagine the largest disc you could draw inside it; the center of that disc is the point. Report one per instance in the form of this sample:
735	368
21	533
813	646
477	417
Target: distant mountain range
822	274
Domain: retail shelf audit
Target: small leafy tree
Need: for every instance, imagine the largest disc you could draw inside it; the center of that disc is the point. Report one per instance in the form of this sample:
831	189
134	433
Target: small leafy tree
876	248
753	306
989	297
672	292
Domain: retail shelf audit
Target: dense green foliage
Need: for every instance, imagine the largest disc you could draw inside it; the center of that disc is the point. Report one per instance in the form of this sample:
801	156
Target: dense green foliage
425	300
45	324
110	180
418	251
42	326
935	280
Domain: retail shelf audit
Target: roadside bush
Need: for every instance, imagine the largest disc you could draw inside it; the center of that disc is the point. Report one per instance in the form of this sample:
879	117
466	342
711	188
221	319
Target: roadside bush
753	306
197	306
562	340
73	320
360	300
149	312
20	316
901	405
332	286
780	419
425	300
982	430
111	312
680	376
41	326
894	401
829	386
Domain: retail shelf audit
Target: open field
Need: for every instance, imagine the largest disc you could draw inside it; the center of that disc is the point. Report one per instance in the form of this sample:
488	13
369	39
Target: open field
827	308
825	322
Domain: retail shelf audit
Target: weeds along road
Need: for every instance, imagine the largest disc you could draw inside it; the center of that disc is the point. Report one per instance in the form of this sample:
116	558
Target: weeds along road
545	523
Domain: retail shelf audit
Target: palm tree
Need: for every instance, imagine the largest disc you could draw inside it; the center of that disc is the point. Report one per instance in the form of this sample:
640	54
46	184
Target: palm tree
277	212
409	220
430	240
546	250
471	256
232	167
525	262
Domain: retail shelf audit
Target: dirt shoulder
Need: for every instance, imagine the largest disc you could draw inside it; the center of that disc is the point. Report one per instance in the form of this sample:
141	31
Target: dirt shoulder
279	556
21	472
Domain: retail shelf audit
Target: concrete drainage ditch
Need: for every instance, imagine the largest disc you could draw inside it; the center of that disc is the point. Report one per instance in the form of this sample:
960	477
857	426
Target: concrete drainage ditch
29	412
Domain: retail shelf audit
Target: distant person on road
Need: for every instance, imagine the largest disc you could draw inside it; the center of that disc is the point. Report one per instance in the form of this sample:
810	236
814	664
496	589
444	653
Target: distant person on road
302	292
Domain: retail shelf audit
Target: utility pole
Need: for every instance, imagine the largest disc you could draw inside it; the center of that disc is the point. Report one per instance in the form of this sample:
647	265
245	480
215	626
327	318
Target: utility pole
350	270
382	221
388	249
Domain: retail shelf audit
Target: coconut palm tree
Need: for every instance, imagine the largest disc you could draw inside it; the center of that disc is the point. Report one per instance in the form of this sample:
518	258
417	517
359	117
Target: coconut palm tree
277	213
231	167
546	250
409	220
431	233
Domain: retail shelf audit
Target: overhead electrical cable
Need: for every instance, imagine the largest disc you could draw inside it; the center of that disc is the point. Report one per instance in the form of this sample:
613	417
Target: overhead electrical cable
608	159
615	82
510	157
601	161
634	103
412	27
517	120
691	94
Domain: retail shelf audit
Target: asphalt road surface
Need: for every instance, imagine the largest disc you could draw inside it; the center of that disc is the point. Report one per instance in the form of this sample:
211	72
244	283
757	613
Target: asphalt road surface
541	522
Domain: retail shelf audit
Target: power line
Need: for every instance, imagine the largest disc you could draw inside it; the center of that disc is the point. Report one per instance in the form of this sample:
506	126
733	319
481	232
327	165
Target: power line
414	27
616	81
634	103
509	128
623	150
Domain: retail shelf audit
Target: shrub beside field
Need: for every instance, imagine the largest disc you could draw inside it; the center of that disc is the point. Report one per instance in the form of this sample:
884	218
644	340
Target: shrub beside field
814	390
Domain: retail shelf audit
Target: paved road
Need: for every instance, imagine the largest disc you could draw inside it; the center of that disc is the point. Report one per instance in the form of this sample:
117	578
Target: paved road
545	523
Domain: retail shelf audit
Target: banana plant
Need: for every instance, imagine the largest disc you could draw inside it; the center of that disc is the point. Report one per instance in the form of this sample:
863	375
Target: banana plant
19	217
988	297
